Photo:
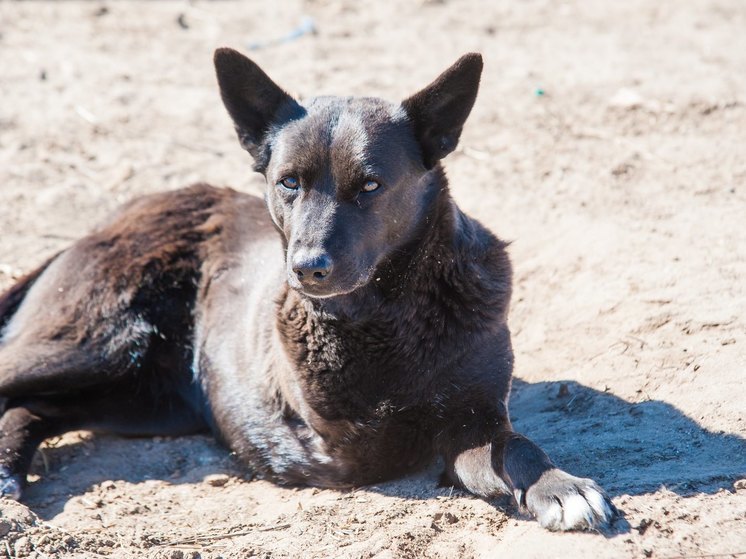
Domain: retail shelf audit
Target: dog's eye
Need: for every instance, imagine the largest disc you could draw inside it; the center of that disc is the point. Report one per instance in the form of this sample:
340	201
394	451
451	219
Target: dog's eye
370	186
291	183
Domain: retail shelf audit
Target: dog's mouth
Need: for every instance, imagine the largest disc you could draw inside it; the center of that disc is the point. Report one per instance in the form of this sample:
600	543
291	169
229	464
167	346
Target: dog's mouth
330	287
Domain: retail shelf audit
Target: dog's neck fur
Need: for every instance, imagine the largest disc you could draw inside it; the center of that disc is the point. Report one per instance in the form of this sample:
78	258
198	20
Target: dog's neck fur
425	282
438	298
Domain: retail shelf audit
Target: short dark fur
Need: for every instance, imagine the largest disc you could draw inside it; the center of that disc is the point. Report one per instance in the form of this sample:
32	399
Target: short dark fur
343	338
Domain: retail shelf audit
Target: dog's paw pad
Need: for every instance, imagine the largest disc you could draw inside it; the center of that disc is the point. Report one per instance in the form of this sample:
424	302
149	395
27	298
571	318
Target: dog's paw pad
11	486
560	501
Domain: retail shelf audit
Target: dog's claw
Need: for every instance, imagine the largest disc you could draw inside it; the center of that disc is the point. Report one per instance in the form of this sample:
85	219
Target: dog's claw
560	501
10	485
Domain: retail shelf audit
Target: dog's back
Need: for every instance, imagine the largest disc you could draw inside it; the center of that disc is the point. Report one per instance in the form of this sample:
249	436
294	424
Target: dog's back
122	299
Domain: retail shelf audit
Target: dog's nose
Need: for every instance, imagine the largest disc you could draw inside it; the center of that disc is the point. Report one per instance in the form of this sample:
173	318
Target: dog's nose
312	268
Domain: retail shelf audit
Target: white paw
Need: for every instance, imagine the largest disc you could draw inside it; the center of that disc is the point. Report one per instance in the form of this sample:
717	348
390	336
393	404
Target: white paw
10	485
560	501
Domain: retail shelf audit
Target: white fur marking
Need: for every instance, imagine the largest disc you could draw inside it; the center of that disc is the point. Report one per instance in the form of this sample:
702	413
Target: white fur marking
480	479
350	130
599	505
576	513
551	517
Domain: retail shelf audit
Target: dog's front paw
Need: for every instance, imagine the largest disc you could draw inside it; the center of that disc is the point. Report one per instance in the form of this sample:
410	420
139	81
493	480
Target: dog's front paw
11	485
560	501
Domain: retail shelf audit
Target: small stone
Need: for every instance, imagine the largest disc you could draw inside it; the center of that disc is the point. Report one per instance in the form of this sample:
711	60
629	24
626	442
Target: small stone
740	485
5	527
22	547
626	98
645	523
217	480
623	168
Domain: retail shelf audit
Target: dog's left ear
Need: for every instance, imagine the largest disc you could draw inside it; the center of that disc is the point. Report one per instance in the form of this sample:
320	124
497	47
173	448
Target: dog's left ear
253	100
439	111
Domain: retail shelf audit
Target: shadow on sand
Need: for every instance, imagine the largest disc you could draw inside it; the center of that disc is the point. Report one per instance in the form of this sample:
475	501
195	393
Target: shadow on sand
628	448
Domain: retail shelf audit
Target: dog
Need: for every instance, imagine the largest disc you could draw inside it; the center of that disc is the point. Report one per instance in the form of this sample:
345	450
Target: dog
348	329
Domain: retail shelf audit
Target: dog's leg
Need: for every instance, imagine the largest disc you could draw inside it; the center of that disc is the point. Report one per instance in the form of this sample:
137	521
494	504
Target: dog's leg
496	460
49	368
122	408
25	370
21	432
47	389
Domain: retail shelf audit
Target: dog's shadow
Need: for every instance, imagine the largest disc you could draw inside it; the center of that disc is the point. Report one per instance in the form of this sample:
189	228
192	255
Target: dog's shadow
629	449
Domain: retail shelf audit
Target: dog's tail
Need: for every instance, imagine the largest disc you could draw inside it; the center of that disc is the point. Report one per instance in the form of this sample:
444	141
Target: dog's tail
13	297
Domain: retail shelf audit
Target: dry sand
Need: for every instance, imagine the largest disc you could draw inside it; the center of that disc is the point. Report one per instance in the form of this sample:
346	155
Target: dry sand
608	143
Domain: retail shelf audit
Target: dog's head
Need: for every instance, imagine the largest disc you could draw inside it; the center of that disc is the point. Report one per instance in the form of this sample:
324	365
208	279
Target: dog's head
348	179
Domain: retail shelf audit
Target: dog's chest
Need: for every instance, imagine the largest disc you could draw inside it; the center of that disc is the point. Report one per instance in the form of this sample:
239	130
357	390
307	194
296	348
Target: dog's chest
361	373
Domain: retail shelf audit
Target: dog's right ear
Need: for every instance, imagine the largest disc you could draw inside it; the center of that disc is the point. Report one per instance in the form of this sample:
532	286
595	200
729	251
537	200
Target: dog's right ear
439	111
253	100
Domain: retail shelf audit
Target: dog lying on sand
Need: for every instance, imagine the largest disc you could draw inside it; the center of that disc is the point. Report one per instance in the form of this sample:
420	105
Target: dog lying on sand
348	329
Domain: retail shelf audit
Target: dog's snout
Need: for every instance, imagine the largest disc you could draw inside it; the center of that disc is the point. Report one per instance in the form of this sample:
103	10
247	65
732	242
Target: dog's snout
312	268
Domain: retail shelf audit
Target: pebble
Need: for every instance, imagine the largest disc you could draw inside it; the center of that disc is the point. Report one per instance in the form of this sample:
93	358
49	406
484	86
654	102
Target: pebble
5	527
217	480
22	547
42	541
626	98
450	518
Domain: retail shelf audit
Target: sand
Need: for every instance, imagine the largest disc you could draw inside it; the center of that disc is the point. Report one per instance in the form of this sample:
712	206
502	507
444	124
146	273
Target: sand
608	144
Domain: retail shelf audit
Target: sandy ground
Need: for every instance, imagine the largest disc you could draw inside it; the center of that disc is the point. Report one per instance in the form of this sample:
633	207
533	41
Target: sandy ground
608	143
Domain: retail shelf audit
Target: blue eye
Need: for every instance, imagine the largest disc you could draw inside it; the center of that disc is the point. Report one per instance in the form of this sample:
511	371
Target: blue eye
370	186
291	183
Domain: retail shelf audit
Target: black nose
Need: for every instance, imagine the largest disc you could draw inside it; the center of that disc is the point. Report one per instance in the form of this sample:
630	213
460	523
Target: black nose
311	269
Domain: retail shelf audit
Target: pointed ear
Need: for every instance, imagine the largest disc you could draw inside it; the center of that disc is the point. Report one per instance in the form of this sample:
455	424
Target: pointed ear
253	100
439	111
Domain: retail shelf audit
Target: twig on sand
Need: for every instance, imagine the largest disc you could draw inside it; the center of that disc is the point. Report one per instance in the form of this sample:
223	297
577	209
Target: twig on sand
704	556
86	115
269	528
207	539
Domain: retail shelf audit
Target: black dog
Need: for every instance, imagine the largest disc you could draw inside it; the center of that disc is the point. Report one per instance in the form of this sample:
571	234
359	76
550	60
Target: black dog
348	337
